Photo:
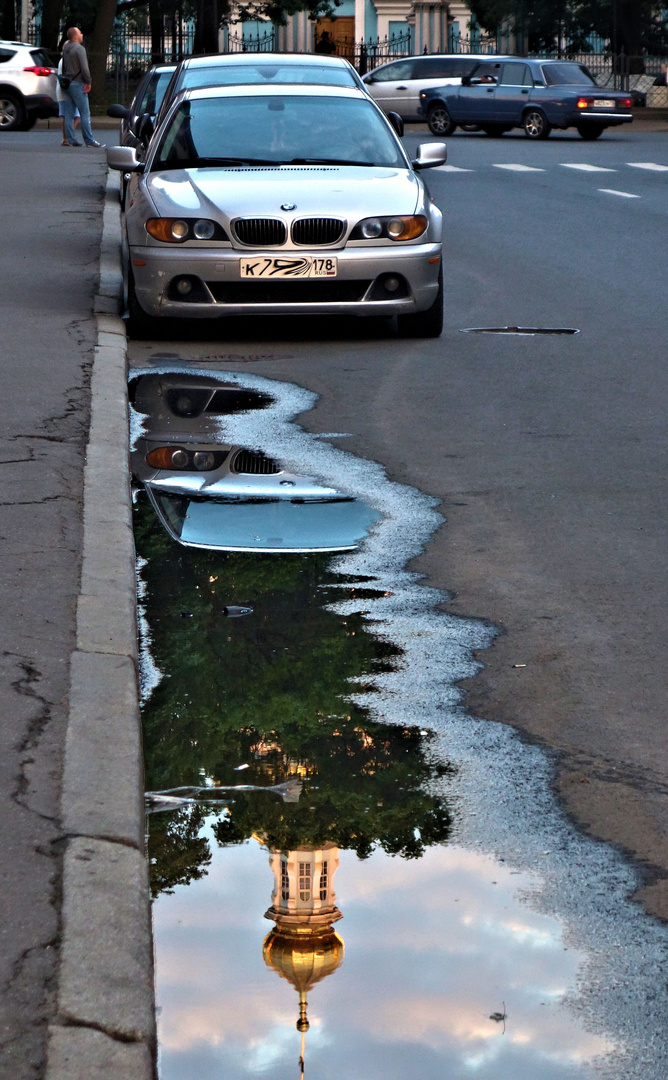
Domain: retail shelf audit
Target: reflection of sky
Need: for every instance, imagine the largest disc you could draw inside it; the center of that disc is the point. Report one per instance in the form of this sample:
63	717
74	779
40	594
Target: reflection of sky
433	947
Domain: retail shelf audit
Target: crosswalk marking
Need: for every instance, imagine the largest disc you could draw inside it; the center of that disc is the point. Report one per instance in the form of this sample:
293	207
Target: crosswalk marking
586	168
623	194
519	168
451	168
651	165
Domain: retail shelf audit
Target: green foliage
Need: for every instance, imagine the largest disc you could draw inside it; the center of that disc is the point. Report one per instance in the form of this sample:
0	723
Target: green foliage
268	691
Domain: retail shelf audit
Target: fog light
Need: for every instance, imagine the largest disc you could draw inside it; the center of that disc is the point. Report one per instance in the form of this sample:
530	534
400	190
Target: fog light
391	284
184	286
204	460
204	230
179	229
371	229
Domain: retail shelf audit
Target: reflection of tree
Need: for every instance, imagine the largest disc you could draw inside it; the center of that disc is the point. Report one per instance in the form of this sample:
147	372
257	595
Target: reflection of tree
178	854
267	690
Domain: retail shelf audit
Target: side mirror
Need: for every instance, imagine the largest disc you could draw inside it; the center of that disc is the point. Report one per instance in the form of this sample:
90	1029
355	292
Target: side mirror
466	80
397	123
144	128
119	112
123	159
368	79
429	155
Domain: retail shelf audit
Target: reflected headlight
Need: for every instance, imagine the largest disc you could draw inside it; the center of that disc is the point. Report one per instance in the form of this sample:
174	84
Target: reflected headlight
390	228
177	230
176	457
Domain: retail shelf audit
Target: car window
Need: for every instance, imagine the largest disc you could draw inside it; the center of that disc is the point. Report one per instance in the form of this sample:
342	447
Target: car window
272	74
516	75
40	58
154	92
6	54
442	67
403	69
567	75
285	129
486	70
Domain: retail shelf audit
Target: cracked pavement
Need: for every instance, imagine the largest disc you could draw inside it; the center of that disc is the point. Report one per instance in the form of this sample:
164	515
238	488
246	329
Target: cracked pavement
49	265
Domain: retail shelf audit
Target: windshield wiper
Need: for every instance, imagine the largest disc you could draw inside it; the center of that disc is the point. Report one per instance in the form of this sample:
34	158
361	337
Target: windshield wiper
327	161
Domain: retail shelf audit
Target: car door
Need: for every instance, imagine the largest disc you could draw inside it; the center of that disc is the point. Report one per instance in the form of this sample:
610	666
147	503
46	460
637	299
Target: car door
433	71
475	99
512	93
391	87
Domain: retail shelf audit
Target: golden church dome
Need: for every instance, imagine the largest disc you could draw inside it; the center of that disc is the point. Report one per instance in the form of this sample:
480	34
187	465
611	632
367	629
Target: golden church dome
303	956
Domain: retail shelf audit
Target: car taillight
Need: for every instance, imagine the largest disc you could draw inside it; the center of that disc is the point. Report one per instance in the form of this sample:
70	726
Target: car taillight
585	102
40	70
626	103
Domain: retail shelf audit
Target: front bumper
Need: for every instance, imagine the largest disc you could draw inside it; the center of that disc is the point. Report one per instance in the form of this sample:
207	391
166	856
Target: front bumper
220	291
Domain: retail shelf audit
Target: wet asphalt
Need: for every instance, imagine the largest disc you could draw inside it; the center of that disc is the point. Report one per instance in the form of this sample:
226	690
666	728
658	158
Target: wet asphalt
547	453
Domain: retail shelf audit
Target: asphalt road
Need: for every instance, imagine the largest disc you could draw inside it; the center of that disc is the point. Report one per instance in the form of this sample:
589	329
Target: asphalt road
547	452
51	223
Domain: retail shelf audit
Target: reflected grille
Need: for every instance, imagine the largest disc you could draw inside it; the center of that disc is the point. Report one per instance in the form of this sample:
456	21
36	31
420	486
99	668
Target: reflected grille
315	232
260	232
253	462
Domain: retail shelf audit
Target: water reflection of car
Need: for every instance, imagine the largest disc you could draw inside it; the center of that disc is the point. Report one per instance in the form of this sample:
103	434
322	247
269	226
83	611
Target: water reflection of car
282	200
210	494
537	95
144	106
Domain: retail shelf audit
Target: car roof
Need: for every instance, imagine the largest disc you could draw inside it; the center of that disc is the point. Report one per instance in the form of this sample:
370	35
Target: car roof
20	44
262	58
293	89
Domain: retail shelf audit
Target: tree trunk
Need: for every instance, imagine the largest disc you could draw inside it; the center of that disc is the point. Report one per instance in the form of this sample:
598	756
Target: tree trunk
206	27
157	22
52	11
7	20
99	50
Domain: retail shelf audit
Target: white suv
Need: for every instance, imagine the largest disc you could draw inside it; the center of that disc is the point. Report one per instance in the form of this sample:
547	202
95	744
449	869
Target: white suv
27	86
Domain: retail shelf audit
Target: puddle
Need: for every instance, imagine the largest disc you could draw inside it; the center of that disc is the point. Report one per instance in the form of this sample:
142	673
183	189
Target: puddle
362	880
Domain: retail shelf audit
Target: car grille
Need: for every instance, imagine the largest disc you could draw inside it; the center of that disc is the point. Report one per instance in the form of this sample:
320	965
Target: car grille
309	291
260	232
253	462
314	232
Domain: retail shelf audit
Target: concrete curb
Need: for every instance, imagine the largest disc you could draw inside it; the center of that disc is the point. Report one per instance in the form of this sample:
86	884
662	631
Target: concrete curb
105	1023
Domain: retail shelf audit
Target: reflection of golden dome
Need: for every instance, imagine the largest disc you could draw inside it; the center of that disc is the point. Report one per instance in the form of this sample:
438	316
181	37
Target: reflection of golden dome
304	956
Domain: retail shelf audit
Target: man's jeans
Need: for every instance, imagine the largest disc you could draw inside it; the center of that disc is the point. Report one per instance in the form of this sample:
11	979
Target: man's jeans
79	98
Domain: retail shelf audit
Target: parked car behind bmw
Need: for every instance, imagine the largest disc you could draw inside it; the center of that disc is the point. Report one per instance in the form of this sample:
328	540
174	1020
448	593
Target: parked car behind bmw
27	86
537	95
145	103
282	200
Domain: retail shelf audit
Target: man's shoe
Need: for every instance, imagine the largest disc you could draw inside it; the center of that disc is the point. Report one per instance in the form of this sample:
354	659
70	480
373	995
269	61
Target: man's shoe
94	144
73	144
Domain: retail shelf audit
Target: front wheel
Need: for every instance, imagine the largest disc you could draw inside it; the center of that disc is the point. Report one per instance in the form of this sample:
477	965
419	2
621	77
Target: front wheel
590	132
11	112
439	121
425	324
536	124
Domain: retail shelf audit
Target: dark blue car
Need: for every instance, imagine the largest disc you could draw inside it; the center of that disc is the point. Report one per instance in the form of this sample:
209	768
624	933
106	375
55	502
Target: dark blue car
537	95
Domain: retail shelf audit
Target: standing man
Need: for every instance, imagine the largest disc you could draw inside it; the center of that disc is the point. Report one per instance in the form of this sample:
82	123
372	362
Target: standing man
75	68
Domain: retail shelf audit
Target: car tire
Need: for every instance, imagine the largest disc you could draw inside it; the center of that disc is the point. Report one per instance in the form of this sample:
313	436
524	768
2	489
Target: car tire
425	324
536	125
494	130
590	132
29	122
140	325
12	113
438	119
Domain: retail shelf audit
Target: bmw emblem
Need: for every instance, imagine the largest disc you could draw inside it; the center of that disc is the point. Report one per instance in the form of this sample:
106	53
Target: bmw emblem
288	206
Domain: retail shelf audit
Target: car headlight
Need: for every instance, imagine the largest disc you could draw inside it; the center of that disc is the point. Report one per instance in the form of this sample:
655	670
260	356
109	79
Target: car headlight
172	458
390	228
177	230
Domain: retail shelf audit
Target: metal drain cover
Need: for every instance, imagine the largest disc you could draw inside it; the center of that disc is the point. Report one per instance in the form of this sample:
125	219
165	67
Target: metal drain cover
519	331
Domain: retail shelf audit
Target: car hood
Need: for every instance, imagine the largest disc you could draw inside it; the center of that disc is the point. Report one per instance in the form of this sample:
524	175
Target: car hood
265	191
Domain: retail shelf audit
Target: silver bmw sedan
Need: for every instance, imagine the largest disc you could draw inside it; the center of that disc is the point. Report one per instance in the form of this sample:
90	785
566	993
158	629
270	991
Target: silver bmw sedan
282	200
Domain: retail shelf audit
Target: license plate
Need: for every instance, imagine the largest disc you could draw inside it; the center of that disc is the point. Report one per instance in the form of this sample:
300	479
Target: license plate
604	103
288	267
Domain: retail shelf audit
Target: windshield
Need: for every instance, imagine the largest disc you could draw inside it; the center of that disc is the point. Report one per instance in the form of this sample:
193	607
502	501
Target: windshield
567	74
277	130
273	74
